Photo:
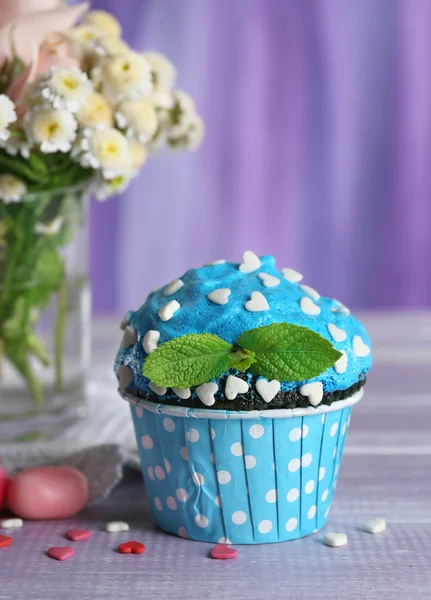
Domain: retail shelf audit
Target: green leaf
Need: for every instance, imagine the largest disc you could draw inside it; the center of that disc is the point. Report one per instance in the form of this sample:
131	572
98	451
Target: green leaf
241	359
188	360
288	352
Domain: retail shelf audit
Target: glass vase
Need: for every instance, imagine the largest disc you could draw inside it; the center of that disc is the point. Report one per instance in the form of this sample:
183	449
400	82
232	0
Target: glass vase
44	312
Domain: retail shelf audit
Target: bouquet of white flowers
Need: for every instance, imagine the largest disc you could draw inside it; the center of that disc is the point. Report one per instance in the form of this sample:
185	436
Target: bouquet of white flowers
83	108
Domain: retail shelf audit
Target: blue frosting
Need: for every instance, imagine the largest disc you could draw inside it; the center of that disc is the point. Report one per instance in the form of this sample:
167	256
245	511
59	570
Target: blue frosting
197	314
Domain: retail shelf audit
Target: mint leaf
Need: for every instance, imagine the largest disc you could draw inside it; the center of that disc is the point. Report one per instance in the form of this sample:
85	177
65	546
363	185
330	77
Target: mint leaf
288	352
241	359
188	360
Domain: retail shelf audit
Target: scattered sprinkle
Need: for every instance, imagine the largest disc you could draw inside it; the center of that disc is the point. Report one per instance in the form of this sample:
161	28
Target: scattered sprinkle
341	308
360	348
375	525
168	310
151	341
11	523
5	540
310	291
160	391
335	539
129	337
223	552
313	391
206	393
131	548
250	262
116	526
308	307
337	334
173	287
215	262
267	390
257	302
291	275
125	376
219	296
182	393
78	535
268	280
234	386
341	364
60	552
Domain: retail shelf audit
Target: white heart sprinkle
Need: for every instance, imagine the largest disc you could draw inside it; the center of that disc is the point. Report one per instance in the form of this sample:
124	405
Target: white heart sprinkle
291	275
234	386
267	389
257	302
116	527
173	287
125	376
335	539
11	523
219	296
129	337
374	526
337	334
215	262
250	262
206	393
313	391
341	308
160	391
125	321
310	291
268	280
308	307
182	393
360	348
151	341
341	364
168	310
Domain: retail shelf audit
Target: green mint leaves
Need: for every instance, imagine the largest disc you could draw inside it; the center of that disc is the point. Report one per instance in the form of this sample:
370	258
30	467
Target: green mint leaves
288	352
279	351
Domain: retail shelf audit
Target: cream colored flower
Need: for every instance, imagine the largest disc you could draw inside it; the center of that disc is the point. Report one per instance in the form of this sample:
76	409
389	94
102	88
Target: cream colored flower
138	118
138	155
7	116
12	189
52	130
62	87
191	137
162	70
16	145
103	21
104	188
83	34
182	114
105	149
126	76
96	112
51	228
108	46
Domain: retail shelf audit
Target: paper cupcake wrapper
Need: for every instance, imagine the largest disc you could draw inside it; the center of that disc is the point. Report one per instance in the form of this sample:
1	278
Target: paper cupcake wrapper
245	478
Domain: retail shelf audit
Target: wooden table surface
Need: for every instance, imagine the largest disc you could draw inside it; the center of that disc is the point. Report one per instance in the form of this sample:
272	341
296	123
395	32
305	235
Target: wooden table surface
386	472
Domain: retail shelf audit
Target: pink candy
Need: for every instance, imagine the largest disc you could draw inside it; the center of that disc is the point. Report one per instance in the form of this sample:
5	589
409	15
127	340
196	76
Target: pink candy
47	493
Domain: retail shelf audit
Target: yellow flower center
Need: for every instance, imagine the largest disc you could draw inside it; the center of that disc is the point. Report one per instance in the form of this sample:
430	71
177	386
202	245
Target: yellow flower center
51	129
116	182
70	83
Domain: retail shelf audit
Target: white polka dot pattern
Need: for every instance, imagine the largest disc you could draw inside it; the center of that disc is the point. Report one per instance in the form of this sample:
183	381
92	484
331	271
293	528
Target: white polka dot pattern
245	480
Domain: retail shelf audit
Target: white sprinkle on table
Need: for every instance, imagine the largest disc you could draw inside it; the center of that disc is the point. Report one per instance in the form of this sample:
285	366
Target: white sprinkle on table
116	526
335	539
375	525
11	523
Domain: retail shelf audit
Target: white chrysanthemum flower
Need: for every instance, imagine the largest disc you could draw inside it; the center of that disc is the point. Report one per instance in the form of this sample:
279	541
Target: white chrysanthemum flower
191	138
51	228
15	146
104	188
108	46
52	130
126	76
12	189
83	34
104	149
104	22
62	87
96	112
138	118
183	113
163	71
7	116
138	155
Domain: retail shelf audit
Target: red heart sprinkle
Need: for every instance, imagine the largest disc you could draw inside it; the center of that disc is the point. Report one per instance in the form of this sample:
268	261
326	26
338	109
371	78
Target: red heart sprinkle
60	552
223	552
131	548
5	540
77	535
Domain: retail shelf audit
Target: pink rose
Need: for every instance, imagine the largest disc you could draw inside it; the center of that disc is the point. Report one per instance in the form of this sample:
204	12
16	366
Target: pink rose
27	22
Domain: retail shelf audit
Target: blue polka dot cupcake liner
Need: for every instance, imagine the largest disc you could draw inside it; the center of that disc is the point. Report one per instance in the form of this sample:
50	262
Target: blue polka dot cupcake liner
241	477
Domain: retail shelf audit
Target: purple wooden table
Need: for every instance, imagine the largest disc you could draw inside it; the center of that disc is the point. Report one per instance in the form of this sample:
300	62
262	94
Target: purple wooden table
386	472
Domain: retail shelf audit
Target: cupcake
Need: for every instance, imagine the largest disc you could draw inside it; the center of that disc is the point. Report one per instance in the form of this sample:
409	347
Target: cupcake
241	381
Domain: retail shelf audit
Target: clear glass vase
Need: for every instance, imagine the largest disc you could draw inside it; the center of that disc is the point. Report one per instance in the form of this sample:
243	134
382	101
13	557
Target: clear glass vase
44	312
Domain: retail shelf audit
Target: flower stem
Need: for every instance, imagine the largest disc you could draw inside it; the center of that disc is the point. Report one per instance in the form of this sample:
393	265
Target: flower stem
59	335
